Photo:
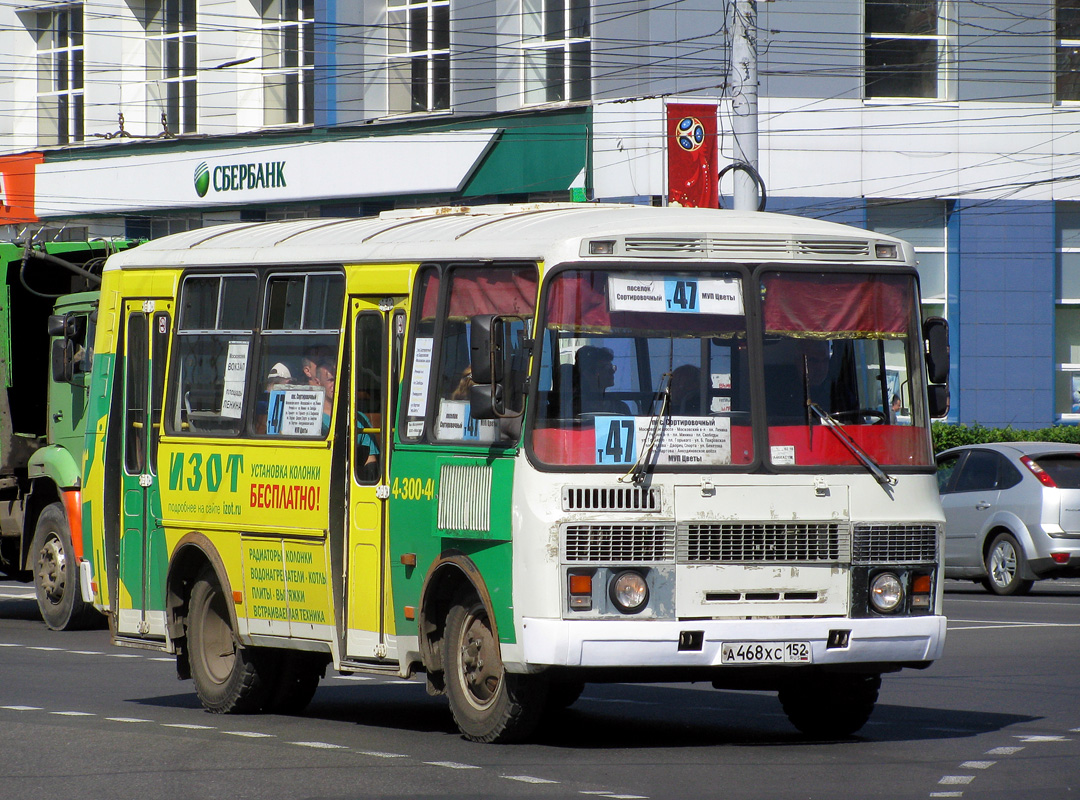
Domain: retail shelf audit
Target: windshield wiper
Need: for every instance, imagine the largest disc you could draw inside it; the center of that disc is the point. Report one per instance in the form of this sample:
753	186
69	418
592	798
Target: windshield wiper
874	468
637	473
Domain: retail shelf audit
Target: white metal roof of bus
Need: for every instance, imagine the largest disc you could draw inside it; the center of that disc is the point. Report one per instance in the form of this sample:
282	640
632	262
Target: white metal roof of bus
552	232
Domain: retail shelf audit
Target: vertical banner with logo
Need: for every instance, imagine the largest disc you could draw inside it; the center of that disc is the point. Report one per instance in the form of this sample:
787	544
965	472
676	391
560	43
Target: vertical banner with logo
692	155
17	187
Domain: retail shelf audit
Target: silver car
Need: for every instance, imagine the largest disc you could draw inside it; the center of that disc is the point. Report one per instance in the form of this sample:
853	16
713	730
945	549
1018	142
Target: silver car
1012	513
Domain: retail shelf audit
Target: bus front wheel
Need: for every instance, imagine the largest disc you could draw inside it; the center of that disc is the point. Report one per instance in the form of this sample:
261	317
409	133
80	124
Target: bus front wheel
830	706
488	703
229	678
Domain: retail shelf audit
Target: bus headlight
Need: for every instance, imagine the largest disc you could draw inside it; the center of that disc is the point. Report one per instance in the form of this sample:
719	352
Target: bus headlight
629	591
886	592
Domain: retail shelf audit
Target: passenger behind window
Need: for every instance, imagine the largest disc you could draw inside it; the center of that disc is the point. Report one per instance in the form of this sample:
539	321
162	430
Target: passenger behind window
594	374
279	375
326	377
367	435
685	391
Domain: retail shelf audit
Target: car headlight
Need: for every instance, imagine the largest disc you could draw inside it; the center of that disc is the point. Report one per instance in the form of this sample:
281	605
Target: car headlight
629	591
886	592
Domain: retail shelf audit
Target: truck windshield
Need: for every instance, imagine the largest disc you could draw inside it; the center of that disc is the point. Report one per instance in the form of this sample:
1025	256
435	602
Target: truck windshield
622	347
657	366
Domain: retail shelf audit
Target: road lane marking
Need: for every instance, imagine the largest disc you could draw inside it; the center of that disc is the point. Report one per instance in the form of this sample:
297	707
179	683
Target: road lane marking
73	713
320	745
451	765
946	794
188	726
977	764
22	708
130	720
250	734
1027	737
526	779
956	780
1004	751
377	754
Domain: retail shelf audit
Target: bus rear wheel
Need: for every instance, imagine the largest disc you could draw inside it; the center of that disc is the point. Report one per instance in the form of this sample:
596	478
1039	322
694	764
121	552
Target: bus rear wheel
56	573
830	706
488	703
229	678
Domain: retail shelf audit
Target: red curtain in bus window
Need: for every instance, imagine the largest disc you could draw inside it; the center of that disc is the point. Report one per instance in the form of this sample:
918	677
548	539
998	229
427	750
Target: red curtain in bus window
486	291
837	304
691	155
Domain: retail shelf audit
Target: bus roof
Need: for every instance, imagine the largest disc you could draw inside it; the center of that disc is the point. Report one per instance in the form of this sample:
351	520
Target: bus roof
553	233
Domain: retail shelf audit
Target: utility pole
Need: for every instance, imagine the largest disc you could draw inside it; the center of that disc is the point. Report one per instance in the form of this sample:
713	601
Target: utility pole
743	91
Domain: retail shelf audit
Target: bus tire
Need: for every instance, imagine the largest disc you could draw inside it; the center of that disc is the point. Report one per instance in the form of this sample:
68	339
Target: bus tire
489	704
229	678
297	678
830	706
56	573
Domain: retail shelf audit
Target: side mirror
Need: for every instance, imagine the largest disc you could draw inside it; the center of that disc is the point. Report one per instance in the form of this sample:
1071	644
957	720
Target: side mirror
936	336
57	325
937	398
480	347
499	348
63	360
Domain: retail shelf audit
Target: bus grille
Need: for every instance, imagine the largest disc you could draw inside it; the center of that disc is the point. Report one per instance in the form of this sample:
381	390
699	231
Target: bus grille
780	542
610	498
624	543
894	544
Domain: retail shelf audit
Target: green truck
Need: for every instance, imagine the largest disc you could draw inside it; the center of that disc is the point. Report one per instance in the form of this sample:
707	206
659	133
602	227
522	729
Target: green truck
48	303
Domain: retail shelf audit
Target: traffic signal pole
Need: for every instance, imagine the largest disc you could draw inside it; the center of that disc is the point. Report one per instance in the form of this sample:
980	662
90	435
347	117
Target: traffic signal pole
743	91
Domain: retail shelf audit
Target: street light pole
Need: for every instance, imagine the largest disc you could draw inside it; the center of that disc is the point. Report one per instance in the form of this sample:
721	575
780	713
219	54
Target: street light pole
743	91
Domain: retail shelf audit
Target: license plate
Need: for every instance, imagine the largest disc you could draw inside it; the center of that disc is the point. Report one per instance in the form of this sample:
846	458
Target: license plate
765	653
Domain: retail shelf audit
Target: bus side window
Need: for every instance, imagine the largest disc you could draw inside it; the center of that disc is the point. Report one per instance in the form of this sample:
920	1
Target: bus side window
370	353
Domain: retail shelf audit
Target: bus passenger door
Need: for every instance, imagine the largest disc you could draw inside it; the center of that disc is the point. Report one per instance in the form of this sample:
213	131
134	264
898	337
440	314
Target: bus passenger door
140	604
378	330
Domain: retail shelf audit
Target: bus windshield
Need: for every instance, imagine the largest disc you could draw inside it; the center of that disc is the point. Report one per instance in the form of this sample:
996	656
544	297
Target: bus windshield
656	367
631	358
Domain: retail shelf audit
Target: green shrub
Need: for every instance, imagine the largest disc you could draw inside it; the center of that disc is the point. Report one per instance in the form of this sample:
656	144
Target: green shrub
946	435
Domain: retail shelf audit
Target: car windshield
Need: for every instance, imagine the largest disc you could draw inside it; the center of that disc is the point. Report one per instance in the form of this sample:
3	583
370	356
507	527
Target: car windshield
657	365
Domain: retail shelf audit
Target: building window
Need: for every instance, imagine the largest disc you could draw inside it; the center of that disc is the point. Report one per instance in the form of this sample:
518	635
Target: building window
171	63
907	47
59	35
288	61
923	224
1067	313
1068	50
556	50
418	55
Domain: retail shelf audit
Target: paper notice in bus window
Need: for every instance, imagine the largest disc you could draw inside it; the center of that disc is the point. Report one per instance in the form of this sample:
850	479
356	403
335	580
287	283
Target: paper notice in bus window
675	295
232	399
782	453
295	411
421	375
456	422
681	441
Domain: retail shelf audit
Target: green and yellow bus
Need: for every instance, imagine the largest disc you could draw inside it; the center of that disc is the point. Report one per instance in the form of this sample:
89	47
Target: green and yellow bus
519	449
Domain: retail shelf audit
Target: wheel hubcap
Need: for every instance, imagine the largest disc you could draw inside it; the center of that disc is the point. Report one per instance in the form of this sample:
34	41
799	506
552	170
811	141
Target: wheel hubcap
480	667
1003	564
52	570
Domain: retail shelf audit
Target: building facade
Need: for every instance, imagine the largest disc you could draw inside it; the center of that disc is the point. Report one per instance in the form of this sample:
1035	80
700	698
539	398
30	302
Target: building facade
952	123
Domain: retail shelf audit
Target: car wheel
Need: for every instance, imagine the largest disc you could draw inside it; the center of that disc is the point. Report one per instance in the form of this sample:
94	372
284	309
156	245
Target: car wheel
1004	566
830	706
56	574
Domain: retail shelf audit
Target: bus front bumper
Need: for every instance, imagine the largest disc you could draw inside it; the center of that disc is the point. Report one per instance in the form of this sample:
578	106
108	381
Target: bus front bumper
698	643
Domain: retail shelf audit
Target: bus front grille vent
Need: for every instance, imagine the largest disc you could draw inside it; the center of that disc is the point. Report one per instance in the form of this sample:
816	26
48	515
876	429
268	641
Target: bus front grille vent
762	542
610	498
675	246
894	544
621	543
838	248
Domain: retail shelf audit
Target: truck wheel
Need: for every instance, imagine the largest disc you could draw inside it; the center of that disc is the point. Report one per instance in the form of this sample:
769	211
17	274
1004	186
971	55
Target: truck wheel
229	678
830	706
56	574
1004	564
488	703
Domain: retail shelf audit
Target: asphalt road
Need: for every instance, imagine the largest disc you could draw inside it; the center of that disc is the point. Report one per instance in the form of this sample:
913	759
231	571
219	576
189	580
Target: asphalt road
997	717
